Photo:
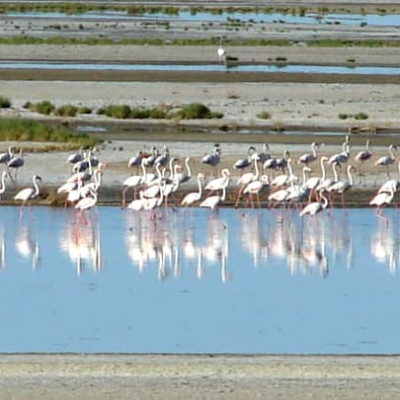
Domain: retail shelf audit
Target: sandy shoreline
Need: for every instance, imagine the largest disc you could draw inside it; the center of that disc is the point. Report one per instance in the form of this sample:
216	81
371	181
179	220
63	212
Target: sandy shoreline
107	377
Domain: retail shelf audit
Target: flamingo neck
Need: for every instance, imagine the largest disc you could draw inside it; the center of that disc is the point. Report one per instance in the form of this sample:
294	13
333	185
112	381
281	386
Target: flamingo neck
350	176
314	150
223	195
323	177
335	172
3	182
199	186
35	185
257	169
188	169
290	168
324	200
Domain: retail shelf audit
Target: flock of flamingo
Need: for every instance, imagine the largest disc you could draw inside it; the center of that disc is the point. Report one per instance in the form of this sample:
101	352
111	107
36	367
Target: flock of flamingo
257	173
160	176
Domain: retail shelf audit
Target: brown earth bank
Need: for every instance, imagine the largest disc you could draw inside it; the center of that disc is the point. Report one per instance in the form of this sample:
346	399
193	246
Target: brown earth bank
106	377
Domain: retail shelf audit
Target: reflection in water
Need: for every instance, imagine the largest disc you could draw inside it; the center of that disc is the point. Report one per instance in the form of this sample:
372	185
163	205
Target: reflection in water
27	245
202	243
385	243
82	244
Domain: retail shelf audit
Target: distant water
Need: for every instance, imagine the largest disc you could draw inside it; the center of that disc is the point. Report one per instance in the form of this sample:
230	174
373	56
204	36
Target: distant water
255	17
307	69
195	281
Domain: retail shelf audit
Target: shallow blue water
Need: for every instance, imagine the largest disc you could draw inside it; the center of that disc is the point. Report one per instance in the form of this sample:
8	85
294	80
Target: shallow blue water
235	281
307	69
260	17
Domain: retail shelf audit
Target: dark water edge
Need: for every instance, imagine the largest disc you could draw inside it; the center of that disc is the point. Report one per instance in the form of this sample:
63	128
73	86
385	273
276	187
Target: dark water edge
193	76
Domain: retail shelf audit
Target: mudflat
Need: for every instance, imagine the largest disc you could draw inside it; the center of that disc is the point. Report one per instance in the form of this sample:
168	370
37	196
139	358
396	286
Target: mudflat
106	377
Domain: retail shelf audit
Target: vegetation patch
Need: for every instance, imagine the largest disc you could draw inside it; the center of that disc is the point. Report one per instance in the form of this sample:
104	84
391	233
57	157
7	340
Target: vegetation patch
358	116
264	115
35	131
196	111
5	102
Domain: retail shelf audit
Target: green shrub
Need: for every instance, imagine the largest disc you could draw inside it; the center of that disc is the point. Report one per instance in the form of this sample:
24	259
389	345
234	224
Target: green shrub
196	111
264	115
84	110
361	115
67	110
157	113
140	113
5	102
44	107
343	116
118	111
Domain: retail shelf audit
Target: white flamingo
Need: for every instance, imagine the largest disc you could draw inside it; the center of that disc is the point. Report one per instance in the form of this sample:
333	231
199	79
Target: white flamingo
315	207
192	197
29	193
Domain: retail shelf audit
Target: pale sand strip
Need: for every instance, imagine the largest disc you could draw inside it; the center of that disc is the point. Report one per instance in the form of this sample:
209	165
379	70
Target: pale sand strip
104	377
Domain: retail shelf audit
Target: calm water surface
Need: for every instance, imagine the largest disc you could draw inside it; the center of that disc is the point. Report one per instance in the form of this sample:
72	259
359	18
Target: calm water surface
233	281
261	17
307	69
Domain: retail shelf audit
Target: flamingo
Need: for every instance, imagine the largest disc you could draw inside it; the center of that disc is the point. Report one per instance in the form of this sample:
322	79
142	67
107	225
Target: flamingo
243	163
391	184
342	186
380	199
328	182
29	193
281	163
262	156
342	157
245	179
3	186
315	207
282	180
214	201
192	197
182	177
278	196
363	156
310	157
75	157
312	183
218	183
255	187
133	182
88	202
213	159
6	157
163	158
16	162
386	161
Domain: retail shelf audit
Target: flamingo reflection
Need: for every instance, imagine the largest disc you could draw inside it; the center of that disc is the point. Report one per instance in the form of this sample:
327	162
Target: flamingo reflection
82	244
148	243
385	243
27	246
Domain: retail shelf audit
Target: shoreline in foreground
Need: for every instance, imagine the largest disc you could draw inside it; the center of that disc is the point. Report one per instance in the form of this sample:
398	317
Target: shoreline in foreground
159	376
